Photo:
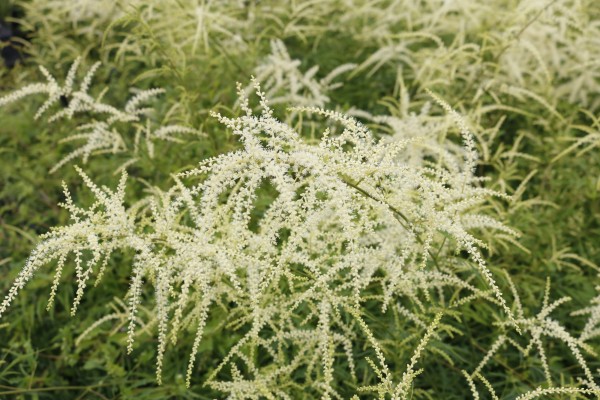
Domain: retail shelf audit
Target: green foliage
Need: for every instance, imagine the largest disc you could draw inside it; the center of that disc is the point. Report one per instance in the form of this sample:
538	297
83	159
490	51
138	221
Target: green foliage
300	253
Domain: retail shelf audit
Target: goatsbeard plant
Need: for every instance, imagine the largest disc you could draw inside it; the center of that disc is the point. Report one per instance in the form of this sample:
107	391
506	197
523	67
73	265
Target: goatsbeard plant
344	219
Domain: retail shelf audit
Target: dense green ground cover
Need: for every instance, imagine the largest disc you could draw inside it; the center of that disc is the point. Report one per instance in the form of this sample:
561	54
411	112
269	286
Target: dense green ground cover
524	75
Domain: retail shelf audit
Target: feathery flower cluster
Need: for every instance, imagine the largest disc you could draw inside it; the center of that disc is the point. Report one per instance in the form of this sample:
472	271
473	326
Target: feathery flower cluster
284	83
103	134
343	215
536	329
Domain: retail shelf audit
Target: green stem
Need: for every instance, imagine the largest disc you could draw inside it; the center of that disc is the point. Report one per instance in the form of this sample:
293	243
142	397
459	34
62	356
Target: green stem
400	217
